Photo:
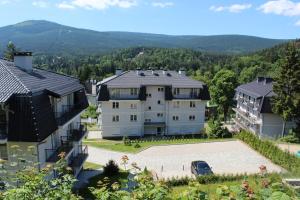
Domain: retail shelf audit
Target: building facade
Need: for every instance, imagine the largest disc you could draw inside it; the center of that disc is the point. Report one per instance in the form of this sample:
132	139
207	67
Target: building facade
40	116
138	103
254	109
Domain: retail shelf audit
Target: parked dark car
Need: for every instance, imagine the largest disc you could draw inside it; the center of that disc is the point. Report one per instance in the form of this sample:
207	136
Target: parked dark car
199	168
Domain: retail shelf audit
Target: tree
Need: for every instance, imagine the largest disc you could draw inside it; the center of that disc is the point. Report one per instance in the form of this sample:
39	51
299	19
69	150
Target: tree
222	90
286	86
10	50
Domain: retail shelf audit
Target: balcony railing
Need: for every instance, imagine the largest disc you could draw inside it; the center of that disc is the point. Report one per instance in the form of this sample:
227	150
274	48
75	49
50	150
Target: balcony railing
54	155
77	134
186	96
79	159
3	132
246	115
68	112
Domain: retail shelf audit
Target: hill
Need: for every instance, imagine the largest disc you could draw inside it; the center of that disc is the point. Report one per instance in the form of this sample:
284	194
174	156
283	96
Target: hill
52	38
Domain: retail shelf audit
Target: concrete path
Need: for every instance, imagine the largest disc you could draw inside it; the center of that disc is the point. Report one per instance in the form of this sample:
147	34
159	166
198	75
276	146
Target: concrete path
293	148
231	157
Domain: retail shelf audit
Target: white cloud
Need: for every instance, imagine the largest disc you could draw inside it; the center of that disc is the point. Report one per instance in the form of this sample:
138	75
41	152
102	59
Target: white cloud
234	8
97	4
162	4
65	5
281	7
41	4
297	23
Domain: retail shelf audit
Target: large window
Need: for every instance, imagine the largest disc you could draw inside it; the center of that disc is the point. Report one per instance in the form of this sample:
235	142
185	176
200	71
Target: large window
134	91
192	104
115	105
133	118
176	91
115	118
133	106
175	118
176	104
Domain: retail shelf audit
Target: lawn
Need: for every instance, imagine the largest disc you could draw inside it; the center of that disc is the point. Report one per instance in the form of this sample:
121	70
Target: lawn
89	165
118	145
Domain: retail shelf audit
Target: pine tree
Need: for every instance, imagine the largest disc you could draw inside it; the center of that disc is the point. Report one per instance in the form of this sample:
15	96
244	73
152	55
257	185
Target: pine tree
10	50
286	86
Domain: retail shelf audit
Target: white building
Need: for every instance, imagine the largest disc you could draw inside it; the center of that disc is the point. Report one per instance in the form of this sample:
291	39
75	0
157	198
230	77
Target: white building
40	116
138	103
254	109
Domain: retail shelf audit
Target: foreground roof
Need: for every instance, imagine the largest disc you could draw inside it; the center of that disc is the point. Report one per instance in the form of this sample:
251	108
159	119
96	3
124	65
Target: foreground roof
147	78
14	80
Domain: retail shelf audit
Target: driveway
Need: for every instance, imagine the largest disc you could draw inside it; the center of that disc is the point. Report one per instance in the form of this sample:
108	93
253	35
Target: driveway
230	157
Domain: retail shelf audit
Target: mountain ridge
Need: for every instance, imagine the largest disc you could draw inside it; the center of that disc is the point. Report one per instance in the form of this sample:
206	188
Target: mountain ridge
41	36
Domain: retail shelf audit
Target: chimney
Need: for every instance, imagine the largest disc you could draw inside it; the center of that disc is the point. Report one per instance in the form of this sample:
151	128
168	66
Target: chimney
181	72
268	80
164	72
119	72
23	60
138	71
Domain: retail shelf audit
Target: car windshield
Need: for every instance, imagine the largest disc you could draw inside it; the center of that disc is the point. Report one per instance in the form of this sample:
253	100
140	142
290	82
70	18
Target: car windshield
202	166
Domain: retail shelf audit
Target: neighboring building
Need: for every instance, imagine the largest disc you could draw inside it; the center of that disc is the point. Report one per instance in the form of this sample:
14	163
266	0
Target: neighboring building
138	103
91	91
254	109
40	111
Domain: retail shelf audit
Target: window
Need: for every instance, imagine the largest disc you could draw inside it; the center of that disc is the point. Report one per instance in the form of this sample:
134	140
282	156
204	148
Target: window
115	118
115	93
148	95
176	104
175	118
192	104
133	91
115	105
158	102
133	118
160	89
176	91
160	114
149	108
133	106
192	117
147	120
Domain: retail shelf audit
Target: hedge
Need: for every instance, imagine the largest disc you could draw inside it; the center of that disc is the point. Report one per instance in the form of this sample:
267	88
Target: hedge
268	149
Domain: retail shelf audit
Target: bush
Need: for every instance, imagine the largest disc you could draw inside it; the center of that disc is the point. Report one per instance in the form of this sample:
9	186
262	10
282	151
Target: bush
111	168
271	151
137	145
217	131
126	141
290	138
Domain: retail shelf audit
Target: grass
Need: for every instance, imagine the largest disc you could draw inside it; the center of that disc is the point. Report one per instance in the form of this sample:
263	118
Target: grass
121	178
118	145
90	165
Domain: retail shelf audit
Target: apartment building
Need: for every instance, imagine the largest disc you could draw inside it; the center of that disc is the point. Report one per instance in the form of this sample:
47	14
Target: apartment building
254	109
40	116
138	103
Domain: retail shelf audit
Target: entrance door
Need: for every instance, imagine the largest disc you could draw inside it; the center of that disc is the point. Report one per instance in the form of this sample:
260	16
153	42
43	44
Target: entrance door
159	131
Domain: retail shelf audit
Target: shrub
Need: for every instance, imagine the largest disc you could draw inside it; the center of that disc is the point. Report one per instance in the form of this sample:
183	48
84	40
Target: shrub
126	141
137	145
290	138
111	168
217	131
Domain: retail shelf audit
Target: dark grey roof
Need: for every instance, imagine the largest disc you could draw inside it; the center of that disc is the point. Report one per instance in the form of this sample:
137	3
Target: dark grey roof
256	89
133	79
14	80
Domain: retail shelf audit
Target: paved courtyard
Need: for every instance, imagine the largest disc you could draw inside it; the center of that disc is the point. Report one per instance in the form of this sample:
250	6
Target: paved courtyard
229	157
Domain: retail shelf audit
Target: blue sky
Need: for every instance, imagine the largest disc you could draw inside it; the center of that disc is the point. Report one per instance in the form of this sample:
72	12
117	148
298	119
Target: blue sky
272	19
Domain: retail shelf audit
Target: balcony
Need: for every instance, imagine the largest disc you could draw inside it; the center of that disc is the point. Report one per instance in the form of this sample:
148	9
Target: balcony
54	155
69	112
76	135
246	116
242	124
186	96
78	160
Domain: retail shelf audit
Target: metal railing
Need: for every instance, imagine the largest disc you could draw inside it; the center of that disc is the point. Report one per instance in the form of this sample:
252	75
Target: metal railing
53	155
82	155
68	112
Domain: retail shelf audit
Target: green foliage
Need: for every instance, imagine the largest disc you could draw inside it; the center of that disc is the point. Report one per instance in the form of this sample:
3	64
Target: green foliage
126	141
222	90
111	168
290	138
10	50
137	145
91	112
216	130
271	151
286	103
